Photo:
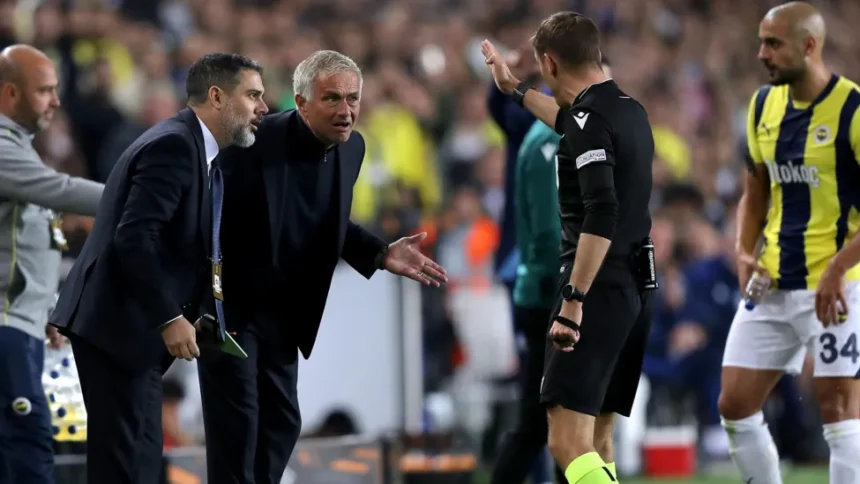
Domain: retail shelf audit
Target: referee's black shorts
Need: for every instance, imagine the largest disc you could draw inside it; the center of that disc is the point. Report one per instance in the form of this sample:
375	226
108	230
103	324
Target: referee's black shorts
601	374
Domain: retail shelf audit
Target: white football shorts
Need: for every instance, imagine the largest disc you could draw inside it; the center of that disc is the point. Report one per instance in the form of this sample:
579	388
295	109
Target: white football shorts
777	333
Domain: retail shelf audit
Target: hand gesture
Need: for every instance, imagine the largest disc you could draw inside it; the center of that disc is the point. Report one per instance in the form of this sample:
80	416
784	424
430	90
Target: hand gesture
405	259
564	338
180	337
830	304
55	339
502	74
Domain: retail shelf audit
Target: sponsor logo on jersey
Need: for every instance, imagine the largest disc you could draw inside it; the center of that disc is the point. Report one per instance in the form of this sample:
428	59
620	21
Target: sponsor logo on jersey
580	118
792	172
548	150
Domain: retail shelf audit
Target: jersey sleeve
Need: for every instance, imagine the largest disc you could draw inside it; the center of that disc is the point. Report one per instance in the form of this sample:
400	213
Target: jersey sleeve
588	137
589	141
752	139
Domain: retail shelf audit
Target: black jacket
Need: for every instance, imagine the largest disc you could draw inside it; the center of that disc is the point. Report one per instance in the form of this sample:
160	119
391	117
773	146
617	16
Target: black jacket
145	261
253	224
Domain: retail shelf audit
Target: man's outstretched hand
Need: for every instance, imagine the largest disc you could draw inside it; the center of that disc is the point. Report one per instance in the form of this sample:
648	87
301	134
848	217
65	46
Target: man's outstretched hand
404	258
505	80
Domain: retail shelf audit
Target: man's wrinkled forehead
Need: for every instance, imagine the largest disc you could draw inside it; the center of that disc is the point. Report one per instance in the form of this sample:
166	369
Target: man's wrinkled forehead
344	83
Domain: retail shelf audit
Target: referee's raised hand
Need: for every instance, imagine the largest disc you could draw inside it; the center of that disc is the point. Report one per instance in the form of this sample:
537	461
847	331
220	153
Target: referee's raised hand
505	80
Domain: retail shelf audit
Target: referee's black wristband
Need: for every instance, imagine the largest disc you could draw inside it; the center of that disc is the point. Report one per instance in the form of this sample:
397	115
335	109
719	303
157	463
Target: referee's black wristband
567	322
519	93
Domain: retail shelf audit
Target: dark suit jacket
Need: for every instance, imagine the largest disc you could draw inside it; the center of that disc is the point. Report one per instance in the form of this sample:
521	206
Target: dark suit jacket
145	261
252	227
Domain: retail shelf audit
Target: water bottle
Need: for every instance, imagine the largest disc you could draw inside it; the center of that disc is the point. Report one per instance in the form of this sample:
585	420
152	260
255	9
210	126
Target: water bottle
756	289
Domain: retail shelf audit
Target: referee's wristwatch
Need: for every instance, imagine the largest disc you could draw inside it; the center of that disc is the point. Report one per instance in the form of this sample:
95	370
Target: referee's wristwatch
570	293
519	92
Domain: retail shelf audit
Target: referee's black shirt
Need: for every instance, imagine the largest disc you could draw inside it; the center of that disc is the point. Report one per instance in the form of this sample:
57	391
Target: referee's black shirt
604	170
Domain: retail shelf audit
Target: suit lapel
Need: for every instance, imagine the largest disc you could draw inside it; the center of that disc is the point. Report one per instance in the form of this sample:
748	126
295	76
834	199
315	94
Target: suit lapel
205	219
206	210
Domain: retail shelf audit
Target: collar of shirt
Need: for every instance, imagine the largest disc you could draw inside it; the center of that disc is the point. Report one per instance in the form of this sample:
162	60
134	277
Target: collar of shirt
307	142
209	143
11	125
601	83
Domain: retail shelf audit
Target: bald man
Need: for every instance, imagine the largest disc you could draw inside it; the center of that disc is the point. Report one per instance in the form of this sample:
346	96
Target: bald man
32	196
800	193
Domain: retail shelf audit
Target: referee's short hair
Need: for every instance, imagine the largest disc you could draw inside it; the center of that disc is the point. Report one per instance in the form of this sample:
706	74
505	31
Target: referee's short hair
217	69
571	38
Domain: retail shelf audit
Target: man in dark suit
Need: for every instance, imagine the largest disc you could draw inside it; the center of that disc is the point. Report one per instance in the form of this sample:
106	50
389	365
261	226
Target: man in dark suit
142	274
286	224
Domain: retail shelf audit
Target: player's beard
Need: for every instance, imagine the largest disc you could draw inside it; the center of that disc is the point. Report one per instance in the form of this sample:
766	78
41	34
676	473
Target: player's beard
788	75
240	131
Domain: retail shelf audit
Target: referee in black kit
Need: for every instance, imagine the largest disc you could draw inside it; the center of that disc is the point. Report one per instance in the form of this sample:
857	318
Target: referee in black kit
601	319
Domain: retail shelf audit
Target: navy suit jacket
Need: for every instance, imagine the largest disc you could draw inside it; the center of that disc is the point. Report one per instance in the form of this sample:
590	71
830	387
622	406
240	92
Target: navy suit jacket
145	261
253	224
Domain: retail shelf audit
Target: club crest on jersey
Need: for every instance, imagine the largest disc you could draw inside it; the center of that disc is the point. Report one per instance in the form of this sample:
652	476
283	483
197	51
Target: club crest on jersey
791	173
22	406
822	134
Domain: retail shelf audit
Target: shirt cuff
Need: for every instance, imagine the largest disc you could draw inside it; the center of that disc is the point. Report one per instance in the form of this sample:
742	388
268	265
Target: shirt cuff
379	260
172	320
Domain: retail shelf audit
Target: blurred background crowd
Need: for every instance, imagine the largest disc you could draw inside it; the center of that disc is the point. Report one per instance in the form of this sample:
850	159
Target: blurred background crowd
436	157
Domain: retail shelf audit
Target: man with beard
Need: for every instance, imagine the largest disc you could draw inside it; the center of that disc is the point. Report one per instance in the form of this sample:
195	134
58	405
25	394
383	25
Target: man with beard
32	196
803	136
286	225
140	279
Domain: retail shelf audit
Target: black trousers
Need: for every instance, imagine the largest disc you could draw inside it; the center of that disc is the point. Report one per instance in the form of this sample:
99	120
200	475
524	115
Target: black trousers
250	406
124	438
526	441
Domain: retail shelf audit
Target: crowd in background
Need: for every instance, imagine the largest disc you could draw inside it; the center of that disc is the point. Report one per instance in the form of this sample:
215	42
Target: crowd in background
435	159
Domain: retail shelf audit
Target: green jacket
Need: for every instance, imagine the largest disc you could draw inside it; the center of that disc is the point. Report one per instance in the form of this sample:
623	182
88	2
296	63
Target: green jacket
538	224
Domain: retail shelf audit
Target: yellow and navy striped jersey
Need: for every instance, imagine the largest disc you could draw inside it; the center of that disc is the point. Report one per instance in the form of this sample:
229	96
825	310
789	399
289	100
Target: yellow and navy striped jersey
811	153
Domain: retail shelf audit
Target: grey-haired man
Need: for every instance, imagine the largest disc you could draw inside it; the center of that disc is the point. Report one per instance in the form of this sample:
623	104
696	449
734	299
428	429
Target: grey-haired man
286	224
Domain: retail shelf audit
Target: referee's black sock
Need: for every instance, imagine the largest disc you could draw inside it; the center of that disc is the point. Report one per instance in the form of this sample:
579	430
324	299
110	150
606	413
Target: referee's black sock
589	469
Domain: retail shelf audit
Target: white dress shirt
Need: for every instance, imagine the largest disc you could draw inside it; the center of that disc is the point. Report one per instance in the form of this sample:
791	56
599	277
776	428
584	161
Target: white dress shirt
209	143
